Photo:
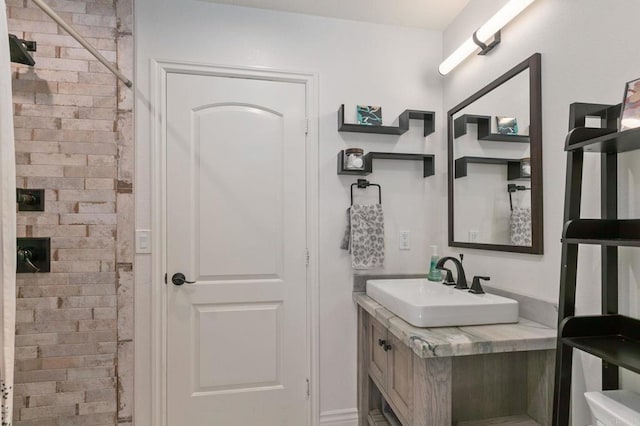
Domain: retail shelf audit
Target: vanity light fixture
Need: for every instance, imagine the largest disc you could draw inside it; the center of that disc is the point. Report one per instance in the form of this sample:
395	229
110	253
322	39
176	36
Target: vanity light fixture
491	28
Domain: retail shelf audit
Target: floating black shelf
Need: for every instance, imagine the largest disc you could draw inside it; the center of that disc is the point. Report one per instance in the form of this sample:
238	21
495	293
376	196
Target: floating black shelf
428	160
606	232
403	123
484	129
613	338
513	166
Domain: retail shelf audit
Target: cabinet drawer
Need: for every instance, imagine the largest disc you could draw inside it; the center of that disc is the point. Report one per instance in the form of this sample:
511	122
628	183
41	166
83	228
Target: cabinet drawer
377	354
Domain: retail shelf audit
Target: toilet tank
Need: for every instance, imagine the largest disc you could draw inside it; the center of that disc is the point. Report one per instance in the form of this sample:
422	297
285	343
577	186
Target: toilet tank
614	408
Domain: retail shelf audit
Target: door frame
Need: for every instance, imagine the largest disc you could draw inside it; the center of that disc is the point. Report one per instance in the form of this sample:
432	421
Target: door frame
160	69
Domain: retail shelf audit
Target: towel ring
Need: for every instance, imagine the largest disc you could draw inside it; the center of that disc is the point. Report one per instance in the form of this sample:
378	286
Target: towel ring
511	188
363	183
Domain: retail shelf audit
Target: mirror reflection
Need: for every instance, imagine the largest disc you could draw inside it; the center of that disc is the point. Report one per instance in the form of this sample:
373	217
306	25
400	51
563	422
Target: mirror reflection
495	155
491	195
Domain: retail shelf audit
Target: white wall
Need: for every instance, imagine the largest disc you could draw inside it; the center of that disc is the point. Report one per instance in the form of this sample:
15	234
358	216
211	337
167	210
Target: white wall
356	63
588	54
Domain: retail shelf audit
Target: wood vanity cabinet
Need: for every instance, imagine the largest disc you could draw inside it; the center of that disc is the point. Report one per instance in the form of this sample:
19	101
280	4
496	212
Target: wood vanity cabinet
479	389
392	371
391	368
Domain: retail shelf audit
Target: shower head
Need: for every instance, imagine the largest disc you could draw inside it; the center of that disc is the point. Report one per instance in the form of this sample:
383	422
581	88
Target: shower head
20	50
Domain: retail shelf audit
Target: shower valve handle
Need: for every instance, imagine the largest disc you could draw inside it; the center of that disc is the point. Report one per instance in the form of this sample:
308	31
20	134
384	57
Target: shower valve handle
178	279
25	256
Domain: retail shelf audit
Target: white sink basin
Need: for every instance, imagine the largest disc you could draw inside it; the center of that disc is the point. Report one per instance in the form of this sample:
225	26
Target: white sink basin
423	303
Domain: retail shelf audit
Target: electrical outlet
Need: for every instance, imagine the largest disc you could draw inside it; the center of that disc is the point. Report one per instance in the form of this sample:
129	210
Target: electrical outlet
473	236
403	241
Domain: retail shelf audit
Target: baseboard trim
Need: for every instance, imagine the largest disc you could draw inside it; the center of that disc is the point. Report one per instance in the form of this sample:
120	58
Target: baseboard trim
348	417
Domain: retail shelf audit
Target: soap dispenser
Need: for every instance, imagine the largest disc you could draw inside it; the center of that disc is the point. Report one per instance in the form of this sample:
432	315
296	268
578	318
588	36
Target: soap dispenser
434	273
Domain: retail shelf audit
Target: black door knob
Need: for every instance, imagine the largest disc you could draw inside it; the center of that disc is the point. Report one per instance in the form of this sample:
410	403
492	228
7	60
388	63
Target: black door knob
178	279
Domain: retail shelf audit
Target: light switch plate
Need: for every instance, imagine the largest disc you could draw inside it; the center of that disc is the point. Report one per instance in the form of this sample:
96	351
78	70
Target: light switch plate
143	241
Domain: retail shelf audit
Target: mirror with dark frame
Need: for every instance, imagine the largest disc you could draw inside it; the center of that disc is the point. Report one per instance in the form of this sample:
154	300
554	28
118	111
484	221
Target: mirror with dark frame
495	164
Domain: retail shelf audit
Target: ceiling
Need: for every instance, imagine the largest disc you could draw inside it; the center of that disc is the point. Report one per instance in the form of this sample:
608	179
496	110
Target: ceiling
427	14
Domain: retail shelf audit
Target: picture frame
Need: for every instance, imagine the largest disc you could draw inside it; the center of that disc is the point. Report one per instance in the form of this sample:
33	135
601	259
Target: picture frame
369	115
507	125
630	112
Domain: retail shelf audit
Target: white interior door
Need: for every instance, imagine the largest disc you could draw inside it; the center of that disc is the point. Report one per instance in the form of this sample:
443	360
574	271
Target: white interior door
237	347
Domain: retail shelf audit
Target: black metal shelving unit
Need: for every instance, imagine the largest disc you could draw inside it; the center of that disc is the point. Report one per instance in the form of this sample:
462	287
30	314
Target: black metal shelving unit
612	337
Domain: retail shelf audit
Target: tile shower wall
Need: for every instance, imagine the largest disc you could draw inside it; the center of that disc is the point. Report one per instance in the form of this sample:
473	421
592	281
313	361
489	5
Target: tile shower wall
73	124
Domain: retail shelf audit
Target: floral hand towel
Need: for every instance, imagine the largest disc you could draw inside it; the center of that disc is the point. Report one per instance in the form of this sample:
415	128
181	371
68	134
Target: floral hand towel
367	236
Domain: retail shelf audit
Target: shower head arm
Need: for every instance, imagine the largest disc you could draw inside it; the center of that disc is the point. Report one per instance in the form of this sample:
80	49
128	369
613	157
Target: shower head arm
73	33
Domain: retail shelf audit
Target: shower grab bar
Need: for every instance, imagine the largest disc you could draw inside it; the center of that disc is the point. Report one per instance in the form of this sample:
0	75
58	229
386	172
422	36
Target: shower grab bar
363	183
73	33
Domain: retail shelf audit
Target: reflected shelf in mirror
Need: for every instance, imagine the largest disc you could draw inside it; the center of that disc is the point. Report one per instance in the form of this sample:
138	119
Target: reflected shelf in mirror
484	129
514	170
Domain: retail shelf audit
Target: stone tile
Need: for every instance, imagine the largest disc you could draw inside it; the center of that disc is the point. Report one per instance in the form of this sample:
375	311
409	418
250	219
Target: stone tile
125	302
124	13
125	163
44	412
89	384
73	126
125	358
125	397
100	395
63	398
41	388
125	233
124	48
97	407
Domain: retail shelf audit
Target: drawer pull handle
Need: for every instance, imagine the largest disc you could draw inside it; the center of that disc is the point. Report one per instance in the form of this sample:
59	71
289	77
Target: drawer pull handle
381	342
387	348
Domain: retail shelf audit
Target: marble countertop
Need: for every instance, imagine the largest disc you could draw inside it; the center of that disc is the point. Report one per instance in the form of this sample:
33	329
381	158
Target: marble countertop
524	335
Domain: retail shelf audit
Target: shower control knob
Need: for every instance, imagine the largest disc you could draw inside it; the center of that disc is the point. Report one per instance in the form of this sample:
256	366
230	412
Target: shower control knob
178	279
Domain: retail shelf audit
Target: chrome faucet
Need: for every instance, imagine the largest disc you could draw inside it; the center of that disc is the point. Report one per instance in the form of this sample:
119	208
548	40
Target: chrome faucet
461	279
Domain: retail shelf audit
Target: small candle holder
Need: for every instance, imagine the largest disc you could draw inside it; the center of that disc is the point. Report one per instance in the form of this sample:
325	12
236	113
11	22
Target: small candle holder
525	167
353	159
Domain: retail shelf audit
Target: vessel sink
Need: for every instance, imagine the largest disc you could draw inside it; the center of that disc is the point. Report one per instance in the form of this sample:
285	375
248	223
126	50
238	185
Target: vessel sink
424	303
